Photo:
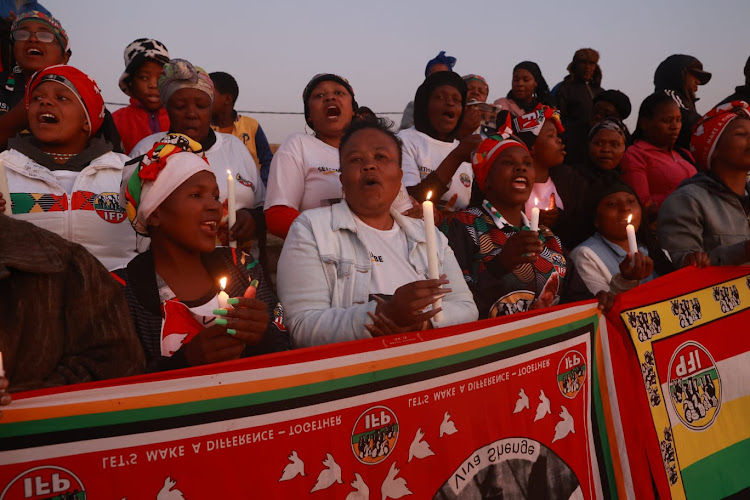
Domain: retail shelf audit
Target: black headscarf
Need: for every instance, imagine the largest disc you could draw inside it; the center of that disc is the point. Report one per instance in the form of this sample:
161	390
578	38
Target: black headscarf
422	98
543	94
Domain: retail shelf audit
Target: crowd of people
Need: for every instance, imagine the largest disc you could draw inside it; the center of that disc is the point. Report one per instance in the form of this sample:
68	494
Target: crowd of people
138	240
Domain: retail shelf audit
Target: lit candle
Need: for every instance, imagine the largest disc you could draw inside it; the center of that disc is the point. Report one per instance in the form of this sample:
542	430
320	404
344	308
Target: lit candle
4	190
231	206
632	243
433	272
534	223
223	297
2	369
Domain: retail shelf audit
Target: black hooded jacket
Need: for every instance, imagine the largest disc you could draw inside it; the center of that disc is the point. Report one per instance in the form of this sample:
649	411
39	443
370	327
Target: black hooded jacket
670	77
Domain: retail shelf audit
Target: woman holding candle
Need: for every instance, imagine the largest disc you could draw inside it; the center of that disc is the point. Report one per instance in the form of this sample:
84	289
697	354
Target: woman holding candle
187	94
172	289
435	160
357	269
508	267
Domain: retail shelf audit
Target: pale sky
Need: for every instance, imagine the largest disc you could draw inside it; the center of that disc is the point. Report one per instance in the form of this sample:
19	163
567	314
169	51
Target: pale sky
273	48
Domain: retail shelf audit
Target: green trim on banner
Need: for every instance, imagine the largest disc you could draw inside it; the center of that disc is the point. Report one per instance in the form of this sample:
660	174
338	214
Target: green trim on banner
720	474
249	400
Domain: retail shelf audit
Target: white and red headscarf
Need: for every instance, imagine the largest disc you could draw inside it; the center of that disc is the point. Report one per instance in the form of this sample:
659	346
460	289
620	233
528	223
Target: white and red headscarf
708	130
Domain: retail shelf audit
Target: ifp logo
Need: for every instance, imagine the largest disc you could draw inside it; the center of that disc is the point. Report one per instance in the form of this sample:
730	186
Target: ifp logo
374	435
107	206
47	482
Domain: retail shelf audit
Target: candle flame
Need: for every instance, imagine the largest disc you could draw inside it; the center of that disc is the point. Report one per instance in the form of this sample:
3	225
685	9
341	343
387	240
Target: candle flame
223	283
229	172
536	201
429	195
630	217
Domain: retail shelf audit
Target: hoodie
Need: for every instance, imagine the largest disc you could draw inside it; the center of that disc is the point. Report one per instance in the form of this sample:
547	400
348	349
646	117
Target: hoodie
703	214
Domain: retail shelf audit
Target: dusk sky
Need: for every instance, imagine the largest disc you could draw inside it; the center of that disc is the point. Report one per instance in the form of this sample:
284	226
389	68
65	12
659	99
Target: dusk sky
273	48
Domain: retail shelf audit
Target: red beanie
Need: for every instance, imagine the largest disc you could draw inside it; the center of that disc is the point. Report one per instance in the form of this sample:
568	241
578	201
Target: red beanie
486	153
82	85
707	130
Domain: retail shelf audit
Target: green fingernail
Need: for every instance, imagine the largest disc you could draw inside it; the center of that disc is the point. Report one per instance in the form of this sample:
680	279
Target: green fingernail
254	283
230	331
221	321
220	312
233	301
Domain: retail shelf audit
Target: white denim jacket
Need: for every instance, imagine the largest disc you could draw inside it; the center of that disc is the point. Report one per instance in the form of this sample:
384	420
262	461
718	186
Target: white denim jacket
324	277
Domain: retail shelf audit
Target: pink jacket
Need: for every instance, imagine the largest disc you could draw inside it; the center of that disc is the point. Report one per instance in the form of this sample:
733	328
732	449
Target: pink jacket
653	172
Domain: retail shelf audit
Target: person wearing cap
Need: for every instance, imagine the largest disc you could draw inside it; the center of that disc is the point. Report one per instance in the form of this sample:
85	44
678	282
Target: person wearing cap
65	176
435	160
575	100
39	41
173	288
305	169
611	104
680	75
441	62
225	119
710	211
187	93
528	90
144	62
741	92
508	267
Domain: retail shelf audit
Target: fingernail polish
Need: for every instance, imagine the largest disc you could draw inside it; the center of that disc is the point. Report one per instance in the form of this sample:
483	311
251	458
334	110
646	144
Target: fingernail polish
220	312
231	331
221	321
233	301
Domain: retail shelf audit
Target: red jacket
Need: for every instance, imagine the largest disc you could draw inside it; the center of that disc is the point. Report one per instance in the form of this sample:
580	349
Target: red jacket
135	122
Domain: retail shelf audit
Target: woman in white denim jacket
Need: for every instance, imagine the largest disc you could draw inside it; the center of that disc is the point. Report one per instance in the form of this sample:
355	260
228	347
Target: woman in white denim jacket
358	269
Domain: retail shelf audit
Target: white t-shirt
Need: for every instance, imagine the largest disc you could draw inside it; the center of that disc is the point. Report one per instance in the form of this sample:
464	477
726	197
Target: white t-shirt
422	154
227	153
389	254
542	191
304	174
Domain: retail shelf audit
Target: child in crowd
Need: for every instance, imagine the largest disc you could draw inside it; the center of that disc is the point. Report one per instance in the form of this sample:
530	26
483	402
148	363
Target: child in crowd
39	41
653	165
65	176
173	288
434	159
144	60
710	211
226	120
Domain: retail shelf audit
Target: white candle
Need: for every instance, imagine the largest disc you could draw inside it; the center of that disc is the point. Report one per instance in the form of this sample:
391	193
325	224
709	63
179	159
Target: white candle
223	297
534	223
433	271
4	189
632	243
2	368
231	206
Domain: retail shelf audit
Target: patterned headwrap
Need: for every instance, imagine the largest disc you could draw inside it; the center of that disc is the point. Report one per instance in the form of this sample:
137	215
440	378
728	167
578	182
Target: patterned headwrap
317	80
609	124
487	152
82	85
138	52
472	76
144	187
180	74
52	23
708	130
441	58
528	126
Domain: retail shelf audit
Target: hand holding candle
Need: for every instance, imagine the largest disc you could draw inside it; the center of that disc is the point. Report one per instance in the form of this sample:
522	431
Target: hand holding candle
534	222
632	243
231	206
433	271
